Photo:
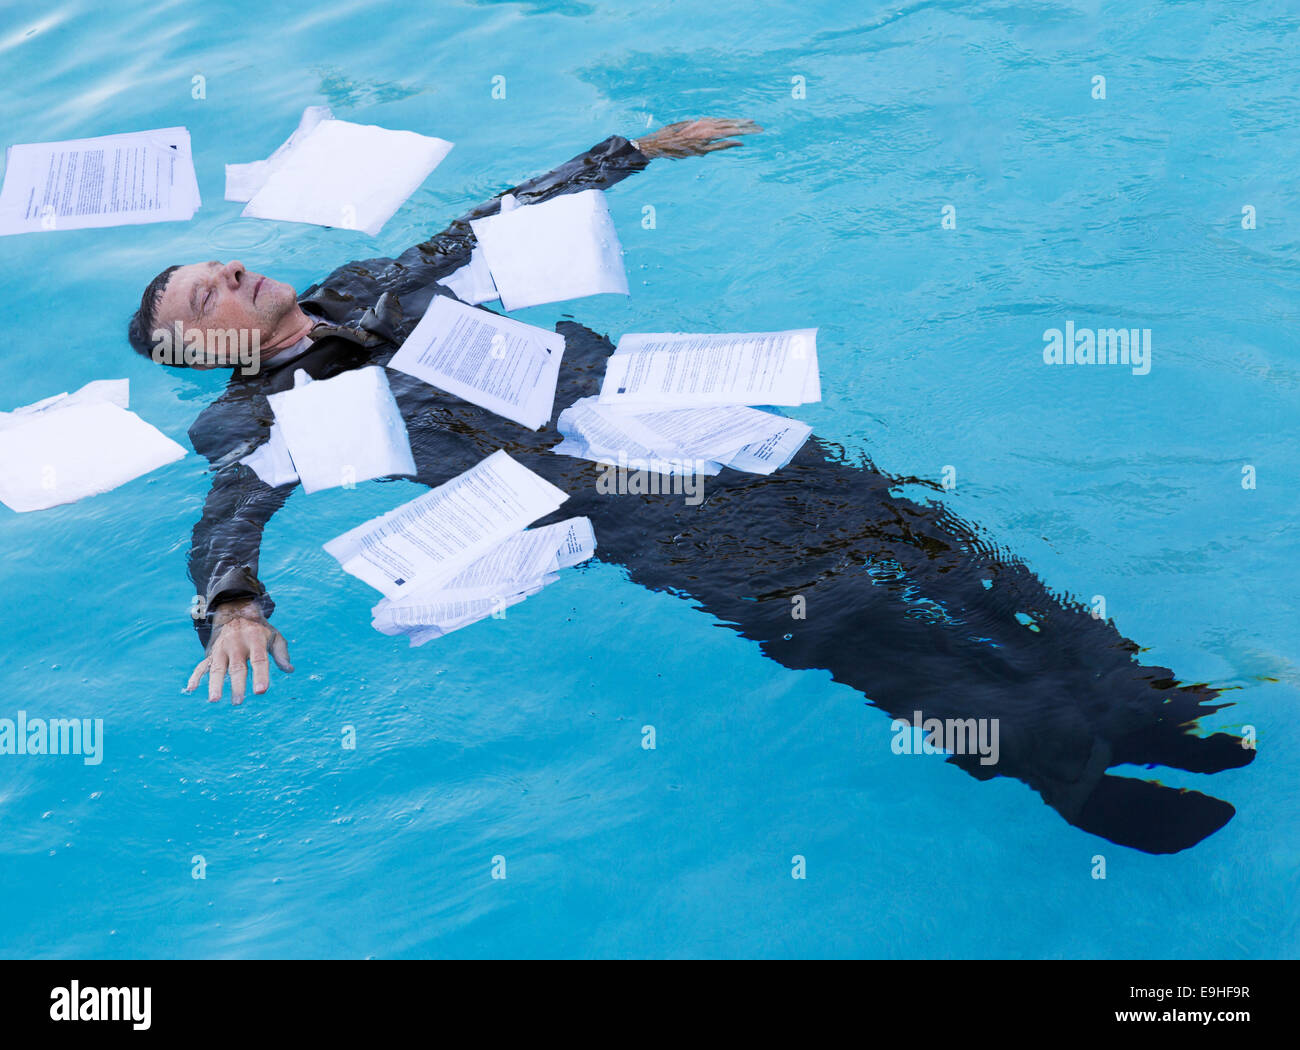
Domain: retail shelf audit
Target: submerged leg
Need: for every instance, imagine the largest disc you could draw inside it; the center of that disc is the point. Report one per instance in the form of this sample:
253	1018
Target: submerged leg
827	567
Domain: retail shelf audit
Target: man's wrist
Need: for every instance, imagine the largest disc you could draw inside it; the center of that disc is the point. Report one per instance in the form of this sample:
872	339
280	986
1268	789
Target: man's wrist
234	609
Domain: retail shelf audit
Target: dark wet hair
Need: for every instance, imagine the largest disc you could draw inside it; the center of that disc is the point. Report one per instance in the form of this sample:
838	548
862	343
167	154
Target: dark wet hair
140	330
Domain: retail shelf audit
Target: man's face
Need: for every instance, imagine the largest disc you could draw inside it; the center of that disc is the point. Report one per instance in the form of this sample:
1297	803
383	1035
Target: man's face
227	297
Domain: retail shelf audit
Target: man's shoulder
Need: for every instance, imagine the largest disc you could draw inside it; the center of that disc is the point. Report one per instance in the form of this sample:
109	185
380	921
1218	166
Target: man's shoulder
345	292
237	421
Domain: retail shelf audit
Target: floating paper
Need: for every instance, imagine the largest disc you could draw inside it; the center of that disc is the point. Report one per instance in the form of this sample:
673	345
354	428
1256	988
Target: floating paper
425	542
473	282
112	180
336	173
503	365
681	441
114	391
70	446
244	180
512	571
712	433
608	435
679	370
271	460
452	615
340	431
774	451
563	248
738	437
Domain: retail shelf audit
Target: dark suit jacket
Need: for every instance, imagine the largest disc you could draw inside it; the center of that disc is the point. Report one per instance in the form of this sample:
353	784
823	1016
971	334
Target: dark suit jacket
377	302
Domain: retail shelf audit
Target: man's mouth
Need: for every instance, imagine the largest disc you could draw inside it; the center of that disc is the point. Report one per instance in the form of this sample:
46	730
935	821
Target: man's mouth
257	287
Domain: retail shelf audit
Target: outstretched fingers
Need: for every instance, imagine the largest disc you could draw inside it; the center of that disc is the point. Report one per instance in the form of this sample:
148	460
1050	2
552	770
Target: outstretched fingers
239	677
261	671
197	676
743	126
715	134
280	650
217	677
241	642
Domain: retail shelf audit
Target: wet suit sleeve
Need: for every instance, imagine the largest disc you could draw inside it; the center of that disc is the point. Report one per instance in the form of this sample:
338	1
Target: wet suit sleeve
226	540
604	165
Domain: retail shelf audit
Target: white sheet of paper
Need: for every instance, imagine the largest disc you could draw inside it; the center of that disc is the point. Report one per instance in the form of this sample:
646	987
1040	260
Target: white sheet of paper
665	370
735	436
428	540
473	282
353	176
516	568
774	451
500	364
563	248
712	433
688	440
111	180
608	435
516	562
114	391
65	448
271	460
244	180
343	430
442	618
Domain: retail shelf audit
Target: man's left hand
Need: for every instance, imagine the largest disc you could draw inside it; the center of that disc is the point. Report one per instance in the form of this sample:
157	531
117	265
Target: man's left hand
694	138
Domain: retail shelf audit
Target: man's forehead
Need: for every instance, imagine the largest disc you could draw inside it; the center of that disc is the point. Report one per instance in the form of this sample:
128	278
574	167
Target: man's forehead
177	297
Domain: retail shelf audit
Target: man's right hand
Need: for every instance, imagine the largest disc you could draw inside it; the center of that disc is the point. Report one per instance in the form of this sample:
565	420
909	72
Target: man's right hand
241	635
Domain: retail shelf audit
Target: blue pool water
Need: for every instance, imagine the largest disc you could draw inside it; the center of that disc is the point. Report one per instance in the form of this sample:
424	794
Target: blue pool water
521	737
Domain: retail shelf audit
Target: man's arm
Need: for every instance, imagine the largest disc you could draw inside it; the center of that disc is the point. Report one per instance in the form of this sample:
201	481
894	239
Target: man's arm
604	165
611	161
224	555
232	619
226	540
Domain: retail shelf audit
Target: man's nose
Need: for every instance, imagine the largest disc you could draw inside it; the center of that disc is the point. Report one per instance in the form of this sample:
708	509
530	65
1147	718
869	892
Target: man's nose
234	272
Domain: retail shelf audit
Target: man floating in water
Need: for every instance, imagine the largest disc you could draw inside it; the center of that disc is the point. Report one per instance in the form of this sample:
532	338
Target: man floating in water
899	599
